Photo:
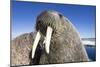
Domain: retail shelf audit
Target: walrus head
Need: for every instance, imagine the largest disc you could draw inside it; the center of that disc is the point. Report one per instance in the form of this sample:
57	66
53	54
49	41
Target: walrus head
47	24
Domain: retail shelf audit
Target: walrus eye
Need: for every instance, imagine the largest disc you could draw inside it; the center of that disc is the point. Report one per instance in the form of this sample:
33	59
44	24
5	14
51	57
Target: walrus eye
60	15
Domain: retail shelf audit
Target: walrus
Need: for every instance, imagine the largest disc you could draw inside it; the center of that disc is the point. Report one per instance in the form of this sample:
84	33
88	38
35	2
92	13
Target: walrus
55	40
62	42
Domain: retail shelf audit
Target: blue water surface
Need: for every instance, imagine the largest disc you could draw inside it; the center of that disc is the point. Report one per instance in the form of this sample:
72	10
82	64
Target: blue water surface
91	51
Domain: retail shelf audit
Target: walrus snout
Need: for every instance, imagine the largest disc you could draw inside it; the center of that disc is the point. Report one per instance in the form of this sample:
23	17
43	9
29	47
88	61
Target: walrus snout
48	18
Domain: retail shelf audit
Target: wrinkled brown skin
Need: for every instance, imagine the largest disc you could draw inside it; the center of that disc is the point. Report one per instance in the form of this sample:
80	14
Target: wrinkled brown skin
65	45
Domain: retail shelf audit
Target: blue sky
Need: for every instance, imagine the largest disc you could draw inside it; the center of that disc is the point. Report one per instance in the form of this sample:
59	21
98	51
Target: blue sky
23	17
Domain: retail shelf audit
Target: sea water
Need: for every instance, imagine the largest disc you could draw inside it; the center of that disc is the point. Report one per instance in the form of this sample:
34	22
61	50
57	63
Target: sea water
91	51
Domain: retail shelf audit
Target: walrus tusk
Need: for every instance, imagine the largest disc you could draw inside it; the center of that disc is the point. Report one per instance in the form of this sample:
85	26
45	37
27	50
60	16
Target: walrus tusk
35	43
48	38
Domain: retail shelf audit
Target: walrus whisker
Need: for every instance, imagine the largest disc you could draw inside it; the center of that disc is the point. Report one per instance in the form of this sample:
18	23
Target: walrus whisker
35	43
